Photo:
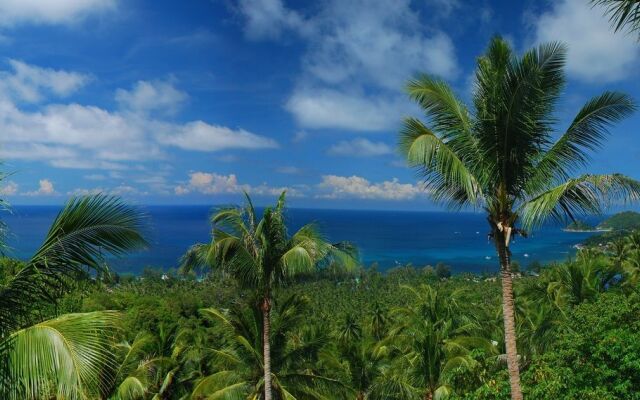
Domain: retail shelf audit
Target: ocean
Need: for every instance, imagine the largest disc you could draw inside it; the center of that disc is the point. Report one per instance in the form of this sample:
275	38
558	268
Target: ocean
388	238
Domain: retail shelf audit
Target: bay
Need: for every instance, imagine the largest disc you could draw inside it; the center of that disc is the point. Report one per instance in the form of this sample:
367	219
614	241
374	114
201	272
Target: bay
388	238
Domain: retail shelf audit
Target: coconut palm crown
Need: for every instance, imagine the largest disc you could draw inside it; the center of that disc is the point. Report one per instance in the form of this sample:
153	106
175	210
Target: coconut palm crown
261	255
69	356
505	156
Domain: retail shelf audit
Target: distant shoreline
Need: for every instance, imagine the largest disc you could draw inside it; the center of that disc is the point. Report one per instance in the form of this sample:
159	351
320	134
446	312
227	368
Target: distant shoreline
586	230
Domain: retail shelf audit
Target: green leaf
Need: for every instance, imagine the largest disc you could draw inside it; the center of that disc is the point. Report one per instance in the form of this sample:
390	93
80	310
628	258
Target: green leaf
68	357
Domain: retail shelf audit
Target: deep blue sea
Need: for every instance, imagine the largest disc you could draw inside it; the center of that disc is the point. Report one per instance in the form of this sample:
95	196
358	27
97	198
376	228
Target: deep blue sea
389	238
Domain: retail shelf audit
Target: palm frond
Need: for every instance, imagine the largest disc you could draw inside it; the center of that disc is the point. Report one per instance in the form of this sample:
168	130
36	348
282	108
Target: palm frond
446	176
223	385
68	357
195	258
131	388
623	14
588	194
87	229
449	115
586	133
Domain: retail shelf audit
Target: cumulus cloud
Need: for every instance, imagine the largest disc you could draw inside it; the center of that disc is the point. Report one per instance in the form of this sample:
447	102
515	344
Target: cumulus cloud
45	188
201	136
31	83
329	108
595	52
212	183
359	54
336	187
360	148
89	137
70	135
268	18
53	12
9	189
148	96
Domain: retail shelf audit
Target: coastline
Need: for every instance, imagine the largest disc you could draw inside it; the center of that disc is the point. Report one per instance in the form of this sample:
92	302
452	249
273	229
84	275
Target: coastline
587	230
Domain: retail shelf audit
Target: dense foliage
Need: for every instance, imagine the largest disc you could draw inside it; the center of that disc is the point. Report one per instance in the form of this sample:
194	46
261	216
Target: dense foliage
502	153
69	356
627	220
405	334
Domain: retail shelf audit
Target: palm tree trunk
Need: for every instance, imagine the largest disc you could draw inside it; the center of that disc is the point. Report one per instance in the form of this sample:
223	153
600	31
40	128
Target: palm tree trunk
508	316
266	345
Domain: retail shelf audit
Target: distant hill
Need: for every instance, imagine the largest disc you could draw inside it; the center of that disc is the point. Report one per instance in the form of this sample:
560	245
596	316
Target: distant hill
617	226
624	221
579	226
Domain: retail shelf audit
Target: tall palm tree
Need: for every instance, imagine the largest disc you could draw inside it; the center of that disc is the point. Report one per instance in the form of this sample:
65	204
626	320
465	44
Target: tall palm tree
70	356
623	14
502	156
239	364
261	255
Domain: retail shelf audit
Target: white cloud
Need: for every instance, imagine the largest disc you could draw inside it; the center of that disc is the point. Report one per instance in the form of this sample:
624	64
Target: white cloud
88	137
121	190
148	96
328	108
379	43
55	12
209	183
268	18
361	188
80	163
212	183
181	190
201	136
360	148
35	152
8	189
45	188
266	190
31	83
74	136
359	55
595	52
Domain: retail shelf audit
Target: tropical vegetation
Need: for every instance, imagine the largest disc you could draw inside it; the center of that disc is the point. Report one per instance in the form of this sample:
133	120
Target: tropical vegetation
405	334
262	313
502	157
69	356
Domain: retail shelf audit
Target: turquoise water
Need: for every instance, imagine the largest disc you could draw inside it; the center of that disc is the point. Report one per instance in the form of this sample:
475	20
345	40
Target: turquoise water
389	238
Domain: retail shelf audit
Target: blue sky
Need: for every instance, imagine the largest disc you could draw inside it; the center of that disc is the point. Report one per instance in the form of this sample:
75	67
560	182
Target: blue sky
192	104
